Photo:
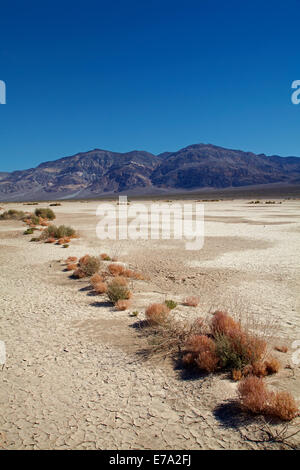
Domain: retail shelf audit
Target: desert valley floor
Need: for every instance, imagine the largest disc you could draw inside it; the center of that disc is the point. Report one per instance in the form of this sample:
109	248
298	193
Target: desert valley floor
75	377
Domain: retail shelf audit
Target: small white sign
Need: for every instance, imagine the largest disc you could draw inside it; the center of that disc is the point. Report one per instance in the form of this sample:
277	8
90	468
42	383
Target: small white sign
2	92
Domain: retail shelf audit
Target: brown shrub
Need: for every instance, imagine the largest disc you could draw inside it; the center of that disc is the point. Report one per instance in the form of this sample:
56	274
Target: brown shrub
122	304
133	274
95	279
237	374
122	281
100	287
259	369
71	259
116	269
223	324
50	240
79	273
253	394
272	365
204	350
157	313
282	349
283	406
191	301
71	267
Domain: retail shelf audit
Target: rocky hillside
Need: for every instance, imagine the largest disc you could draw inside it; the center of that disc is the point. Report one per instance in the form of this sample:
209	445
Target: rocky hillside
100	172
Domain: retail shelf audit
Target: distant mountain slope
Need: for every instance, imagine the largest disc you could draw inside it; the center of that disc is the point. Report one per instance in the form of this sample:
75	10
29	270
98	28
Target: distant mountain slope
99	172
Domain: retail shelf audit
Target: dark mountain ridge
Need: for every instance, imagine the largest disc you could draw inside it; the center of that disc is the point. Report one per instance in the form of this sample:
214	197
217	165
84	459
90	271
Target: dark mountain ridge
101	172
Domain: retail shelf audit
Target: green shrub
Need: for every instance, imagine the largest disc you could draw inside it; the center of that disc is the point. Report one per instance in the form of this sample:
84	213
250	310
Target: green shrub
171	304
12	214
35	239
45	213
58	232
29	231
90	265
55	204
66	245
116	292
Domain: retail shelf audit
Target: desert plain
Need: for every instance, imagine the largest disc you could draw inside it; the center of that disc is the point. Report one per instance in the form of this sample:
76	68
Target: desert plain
75	375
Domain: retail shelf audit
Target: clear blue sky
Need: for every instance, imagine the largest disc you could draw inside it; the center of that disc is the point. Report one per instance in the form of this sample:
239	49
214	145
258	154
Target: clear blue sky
153	75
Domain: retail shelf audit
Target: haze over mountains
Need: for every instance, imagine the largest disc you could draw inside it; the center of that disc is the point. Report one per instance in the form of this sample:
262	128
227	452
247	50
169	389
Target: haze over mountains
102	172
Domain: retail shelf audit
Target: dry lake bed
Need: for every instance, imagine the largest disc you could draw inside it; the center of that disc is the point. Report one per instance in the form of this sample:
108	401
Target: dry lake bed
74	377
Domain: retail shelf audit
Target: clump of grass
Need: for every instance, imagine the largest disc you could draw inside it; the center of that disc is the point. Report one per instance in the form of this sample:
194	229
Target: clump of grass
61	232
45	213
29	231
171	304
89	265
116	292
191	301
116	269
122	304
100	287
55	204
71	259
12	214
157	313
256	398
35	239
95	279
66	245
135	313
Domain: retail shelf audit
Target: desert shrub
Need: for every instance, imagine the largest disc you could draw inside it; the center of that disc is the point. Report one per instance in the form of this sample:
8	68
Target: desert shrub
122	304
272	365
50	240
116	292
255	397
95	279
222	323
71	267
29	231
116	269
105	257
45	213
237	374
79	274
90	266
63	231
122	281
83	259
253	394
35	239
71	259
171	304
201	351
282	349
55	204
100	287
133	274
283	406
66	245
258	369
135	313
157	313
191	301
12	214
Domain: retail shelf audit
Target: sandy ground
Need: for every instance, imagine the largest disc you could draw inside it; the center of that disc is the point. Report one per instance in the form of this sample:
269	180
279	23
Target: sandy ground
74	378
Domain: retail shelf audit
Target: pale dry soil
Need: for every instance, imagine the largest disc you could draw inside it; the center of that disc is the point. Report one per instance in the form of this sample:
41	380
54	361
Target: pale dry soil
74	378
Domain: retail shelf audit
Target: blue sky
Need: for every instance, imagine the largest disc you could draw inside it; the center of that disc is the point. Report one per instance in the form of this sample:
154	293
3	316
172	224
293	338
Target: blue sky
155	75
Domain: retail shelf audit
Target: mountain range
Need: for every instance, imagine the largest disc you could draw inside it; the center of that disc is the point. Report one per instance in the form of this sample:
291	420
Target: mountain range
102	172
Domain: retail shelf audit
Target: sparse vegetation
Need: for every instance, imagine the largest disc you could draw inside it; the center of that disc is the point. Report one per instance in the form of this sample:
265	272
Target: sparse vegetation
100	287
256	398
12	214
116	291
122	304
116	269
45	213
89	265
157	313
63	231
171	304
